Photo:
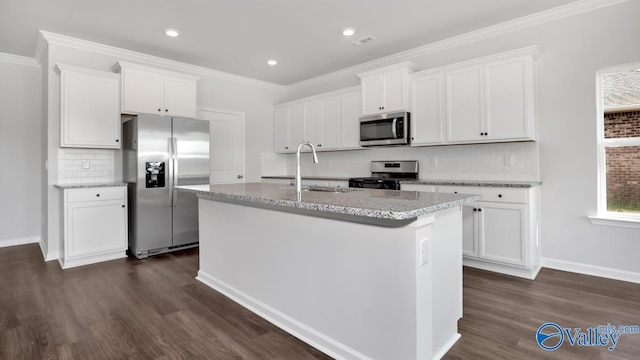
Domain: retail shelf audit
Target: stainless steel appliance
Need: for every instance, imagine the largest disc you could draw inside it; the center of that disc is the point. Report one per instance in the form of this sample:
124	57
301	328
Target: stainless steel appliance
161	152
387	175
385	129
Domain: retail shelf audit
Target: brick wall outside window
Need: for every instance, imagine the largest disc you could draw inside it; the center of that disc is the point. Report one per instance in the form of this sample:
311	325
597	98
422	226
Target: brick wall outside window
623	163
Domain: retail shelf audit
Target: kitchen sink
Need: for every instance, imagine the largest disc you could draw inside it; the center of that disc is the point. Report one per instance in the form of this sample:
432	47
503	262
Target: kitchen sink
326	189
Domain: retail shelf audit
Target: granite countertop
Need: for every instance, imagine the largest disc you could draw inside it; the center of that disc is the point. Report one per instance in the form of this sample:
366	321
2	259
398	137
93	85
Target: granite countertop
487	183
369	203
292	177
88	185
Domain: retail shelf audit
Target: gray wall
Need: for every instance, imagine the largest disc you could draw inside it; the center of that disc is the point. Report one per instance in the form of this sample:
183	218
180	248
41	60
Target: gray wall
19	153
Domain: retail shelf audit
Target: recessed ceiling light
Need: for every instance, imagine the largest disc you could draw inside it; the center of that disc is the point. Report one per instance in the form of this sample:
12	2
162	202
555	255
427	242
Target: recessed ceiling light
348	31
172	32
272	62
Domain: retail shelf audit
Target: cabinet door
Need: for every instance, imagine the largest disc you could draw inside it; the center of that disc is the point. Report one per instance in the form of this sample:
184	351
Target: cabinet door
465	105
281	130
508	90
427	110
180	97
350	118
90	110
394	91
95	227
502	233
142	92
469	231
372	95
295	127
312	117
330	123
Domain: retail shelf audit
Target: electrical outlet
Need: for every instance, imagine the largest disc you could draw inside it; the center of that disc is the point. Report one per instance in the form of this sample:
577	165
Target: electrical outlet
86	164
508	160
424	246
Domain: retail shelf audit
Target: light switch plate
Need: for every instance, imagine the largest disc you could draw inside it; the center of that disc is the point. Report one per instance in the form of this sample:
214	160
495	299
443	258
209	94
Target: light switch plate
86	164
424	256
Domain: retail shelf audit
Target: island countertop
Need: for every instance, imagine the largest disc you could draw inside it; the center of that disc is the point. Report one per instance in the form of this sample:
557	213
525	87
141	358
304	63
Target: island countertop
368	203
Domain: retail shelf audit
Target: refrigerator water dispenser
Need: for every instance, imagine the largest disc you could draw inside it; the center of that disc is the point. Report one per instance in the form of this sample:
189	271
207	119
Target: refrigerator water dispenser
154	174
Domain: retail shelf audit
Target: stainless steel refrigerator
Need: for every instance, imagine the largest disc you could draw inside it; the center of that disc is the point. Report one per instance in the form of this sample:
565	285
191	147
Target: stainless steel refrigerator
160	152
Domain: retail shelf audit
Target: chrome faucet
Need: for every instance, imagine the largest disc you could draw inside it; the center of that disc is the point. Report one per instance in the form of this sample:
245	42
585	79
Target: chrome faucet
298	181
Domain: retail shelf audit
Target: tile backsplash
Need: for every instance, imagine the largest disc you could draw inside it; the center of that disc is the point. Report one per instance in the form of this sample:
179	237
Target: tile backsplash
85	165
499	161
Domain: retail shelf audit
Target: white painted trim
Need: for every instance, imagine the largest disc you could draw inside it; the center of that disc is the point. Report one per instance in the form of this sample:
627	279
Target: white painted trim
524	22
617	221
445	349
301	331
591	270
621	108
155	61
18	60
527	273
19	241
45	252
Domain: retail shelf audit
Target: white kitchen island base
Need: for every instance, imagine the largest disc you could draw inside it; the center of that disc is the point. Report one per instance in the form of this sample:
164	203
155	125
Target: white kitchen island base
352	290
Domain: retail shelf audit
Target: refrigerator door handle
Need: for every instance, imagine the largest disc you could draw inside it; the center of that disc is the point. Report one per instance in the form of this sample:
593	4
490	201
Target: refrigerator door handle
171	169
174	193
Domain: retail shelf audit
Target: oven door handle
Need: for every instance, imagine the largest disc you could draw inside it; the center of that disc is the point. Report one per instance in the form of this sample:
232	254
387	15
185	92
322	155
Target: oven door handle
394	133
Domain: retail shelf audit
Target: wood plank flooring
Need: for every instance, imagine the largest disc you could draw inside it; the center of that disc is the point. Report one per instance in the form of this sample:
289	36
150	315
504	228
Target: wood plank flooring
155	309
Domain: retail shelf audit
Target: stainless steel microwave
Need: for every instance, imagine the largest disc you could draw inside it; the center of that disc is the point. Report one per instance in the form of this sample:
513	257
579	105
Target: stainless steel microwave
385	129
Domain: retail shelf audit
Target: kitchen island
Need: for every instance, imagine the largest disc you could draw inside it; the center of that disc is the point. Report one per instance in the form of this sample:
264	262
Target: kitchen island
358	274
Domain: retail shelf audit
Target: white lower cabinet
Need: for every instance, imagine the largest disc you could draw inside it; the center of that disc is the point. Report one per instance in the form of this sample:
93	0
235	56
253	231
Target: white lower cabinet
94	225
499	232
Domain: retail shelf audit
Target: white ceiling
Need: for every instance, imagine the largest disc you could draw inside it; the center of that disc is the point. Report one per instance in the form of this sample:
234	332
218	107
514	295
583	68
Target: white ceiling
238	36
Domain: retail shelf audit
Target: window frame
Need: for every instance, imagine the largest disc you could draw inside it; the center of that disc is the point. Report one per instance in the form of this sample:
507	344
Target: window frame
605	217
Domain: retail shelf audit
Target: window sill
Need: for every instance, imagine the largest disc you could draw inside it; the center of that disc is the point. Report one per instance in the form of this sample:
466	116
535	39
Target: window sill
617	221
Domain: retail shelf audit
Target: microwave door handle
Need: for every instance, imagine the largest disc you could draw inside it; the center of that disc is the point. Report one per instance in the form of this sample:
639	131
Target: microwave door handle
394	133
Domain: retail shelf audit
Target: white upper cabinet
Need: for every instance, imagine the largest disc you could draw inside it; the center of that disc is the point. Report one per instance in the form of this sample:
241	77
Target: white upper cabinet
155	91
329	121
491	99
465	105
427	109
89	108
386	89
350	120
510	104
287	128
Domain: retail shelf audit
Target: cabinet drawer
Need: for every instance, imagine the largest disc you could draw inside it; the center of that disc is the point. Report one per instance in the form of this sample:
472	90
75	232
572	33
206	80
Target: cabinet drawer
96	194
495	194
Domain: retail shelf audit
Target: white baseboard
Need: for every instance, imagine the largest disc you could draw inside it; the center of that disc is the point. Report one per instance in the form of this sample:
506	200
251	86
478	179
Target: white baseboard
527	273
46	254
20	241
592	270
445	349
318	340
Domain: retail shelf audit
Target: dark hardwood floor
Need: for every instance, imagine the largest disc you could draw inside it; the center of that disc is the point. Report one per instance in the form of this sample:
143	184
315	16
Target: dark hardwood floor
155	309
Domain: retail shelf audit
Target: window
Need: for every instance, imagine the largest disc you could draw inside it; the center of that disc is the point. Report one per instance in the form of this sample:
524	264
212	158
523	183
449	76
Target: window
619	147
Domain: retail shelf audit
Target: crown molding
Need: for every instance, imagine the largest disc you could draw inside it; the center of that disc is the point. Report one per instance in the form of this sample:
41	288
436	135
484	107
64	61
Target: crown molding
18	60
42	50
151	60
539	18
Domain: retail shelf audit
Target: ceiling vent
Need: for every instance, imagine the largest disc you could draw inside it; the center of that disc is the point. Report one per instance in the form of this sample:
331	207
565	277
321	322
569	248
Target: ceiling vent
365	39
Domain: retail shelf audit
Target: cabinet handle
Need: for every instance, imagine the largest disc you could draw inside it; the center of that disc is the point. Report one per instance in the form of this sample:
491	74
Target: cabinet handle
97	195
122	205
286	148
166	110
479	209
319	145
499	195
159	109
475	209
117	140
455	192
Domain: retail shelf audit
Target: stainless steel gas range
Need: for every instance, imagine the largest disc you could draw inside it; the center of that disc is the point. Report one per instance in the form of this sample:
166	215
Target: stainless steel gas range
387	175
